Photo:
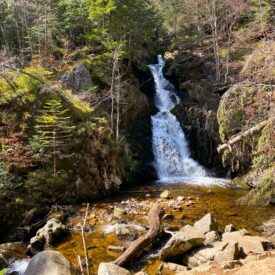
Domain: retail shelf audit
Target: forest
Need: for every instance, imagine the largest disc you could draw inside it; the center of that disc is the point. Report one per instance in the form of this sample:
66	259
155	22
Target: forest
137	137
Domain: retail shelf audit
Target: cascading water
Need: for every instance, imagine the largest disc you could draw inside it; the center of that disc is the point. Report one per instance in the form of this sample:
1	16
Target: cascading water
170	148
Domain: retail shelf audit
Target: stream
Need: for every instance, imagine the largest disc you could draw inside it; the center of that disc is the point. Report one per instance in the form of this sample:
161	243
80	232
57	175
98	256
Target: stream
193	194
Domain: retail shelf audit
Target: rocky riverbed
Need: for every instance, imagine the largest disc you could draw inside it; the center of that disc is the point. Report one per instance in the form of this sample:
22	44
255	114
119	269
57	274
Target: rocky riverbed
206	230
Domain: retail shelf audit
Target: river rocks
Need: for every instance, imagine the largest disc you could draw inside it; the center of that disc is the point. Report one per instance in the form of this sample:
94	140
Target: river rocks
50	234
248	244
206	224
211	237
118	213
48	263
181	242
165	195
112	269
229	228
219	251
259	267
171	268
268	230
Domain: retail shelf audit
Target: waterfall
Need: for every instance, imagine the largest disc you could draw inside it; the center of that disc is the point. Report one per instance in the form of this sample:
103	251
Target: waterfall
172	158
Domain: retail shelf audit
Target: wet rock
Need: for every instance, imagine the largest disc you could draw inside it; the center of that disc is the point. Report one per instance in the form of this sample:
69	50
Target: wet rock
168	217
248	244
118	249
180	198
78	79
112	269
48	263
118	213
171	268
184	240
229	228
211	237
3	262
166	195
51	234
13	250
125	231
206	224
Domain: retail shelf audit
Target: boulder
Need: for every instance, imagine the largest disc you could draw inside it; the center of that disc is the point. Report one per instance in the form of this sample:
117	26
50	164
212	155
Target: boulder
181	242
128	231
206	224
78	79
219	251
166	195
51	234
229	228
48	263
211	237
171	268
248	244
112	269
257	267
118	213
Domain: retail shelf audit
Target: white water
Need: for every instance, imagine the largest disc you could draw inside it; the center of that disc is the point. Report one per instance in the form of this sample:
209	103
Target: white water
172	158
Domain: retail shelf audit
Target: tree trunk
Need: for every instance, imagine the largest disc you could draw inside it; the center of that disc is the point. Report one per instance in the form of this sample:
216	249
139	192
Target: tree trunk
243	135
137	247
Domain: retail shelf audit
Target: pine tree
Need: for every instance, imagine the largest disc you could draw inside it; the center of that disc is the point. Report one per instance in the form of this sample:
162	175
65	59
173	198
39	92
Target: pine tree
54	131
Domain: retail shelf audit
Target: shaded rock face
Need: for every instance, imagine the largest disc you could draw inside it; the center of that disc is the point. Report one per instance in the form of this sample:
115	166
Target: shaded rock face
193	76
184	240
78	79
112	269
50	234
48	263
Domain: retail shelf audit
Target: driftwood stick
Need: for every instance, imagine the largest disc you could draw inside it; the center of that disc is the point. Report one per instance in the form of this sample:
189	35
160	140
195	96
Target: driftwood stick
80	265
84	240
243	135
155	230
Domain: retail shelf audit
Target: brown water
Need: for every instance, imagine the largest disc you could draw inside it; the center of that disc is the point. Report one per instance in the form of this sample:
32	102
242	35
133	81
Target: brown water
221	202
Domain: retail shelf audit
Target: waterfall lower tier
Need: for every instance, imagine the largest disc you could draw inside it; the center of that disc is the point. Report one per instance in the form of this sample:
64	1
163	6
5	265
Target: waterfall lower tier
170	149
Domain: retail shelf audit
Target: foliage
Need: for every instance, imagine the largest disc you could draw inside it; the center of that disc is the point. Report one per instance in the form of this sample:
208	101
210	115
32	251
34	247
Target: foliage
54	131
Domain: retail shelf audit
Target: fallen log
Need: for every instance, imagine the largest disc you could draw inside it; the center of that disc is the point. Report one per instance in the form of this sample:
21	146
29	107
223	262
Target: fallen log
243	135
138	246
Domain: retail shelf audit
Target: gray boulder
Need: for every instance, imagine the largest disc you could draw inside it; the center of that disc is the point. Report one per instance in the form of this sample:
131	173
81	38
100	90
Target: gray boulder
51	234
78	79
112	269
48	263
206	224
181	242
